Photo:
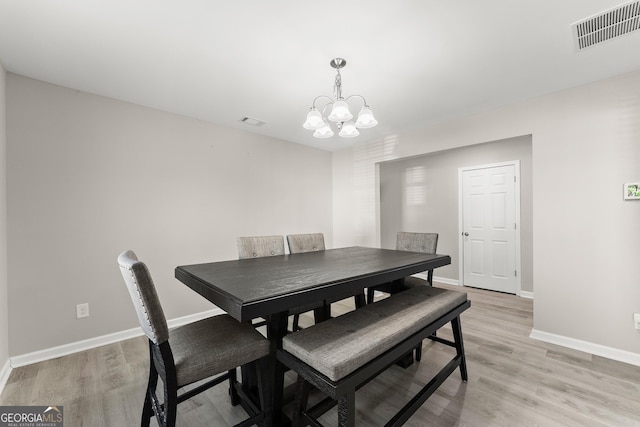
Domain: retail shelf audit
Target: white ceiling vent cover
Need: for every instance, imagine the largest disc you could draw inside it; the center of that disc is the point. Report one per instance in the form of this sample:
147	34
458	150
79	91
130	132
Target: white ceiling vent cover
607	25
252	122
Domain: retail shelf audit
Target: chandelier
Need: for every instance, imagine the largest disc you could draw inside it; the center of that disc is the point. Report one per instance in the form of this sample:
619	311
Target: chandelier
340	113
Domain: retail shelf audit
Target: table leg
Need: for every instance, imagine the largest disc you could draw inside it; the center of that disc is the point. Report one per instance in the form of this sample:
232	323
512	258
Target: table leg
322	313
276	330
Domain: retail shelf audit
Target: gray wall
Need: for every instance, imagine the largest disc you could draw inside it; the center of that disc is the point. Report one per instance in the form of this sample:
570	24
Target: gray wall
89	177
585	236
435	209
4	305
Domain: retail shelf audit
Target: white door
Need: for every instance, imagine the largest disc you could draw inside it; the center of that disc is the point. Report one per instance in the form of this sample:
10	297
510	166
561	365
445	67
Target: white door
489	227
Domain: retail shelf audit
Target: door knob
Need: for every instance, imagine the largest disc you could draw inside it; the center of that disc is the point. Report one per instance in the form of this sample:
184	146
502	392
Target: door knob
465	234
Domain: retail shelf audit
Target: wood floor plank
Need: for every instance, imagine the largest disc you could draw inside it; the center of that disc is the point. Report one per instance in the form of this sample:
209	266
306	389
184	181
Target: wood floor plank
513	381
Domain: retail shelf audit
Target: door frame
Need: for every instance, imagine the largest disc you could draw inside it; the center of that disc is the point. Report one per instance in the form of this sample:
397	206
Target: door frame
516	165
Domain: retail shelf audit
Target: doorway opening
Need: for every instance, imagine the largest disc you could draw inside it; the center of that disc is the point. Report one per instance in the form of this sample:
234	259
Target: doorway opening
420	194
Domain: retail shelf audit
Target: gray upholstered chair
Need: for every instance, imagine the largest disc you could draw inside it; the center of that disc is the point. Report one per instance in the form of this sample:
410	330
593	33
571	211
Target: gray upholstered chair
305	242
193	352
258	247
411	242
262	246
417	242
313	242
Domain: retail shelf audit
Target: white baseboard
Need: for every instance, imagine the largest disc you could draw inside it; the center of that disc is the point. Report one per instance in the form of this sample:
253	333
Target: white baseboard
588	347
444	280
526	294
66	349
455	282
4	375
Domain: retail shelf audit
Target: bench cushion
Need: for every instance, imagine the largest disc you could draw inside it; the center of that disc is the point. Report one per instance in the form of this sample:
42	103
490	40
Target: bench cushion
341	345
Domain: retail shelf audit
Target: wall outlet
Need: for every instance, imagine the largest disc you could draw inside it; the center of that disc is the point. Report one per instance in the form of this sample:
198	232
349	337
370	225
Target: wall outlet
82	310
636	320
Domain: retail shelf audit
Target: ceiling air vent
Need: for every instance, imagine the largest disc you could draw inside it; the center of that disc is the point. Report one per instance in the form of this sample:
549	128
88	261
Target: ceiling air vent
607	25
251	121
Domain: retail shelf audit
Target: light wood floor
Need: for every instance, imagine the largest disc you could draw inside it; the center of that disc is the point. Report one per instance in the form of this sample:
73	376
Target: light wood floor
513	381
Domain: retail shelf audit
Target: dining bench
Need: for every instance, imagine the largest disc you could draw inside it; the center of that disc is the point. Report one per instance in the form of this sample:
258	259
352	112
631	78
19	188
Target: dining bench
342	354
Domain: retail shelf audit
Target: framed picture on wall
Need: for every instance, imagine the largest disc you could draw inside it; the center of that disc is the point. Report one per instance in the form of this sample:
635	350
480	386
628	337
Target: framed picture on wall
632	191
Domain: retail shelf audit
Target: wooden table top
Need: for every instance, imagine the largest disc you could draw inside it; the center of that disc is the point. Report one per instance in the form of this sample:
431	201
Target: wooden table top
258	287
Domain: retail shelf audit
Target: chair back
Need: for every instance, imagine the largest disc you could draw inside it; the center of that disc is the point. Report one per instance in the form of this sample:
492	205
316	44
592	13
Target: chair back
305	242
144	297
417	242
260	246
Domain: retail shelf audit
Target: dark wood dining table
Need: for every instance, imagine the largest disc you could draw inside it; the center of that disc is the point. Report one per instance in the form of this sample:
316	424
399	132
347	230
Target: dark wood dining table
268	287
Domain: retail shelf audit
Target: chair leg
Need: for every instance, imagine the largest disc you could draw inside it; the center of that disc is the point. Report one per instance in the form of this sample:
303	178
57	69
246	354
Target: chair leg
302	396
457	336
147	411
419	352
360	300
170	404
370	295
296	323
233	393
166	412
147	408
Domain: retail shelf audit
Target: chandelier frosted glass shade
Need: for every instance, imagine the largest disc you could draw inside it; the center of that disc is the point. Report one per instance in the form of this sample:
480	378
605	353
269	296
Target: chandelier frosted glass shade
349	130
314	120
366	119
340	113
324	132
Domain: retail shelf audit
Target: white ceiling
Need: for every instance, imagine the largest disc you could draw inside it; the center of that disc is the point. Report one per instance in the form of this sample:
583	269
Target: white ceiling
417	62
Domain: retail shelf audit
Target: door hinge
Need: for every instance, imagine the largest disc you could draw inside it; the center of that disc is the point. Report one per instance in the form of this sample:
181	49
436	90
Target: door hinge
515	273
515	225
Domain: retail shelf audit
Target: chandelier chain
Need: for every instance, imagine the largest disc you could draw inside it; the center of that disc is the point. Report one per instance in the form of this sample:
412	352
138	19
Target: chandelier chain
337	86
